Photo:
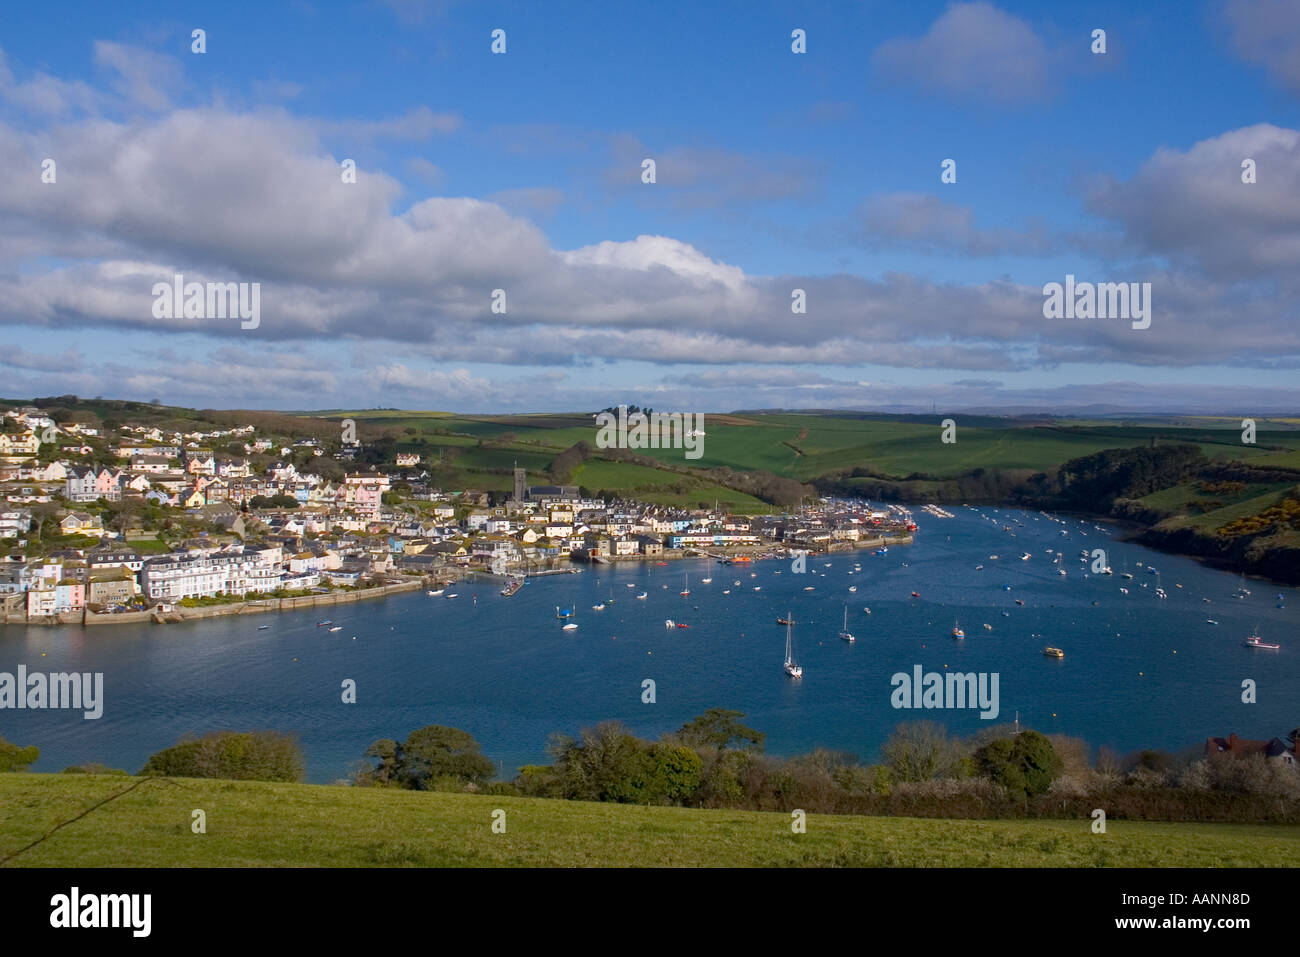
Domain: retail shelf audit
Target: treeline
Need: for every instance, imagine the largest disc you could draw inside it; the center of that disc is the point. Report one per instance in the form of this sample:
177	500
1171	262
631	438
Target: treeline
563	465
716	761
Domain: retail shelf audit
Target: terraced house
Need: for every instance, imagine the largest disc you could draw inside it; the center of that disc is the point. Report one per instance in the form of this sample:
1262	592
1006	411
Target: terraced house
89	484
230	571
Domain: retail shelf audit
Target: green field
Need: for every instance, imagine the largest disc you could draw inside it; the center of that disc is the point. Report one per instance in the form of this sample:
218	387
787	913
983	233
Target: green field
260	824
807	446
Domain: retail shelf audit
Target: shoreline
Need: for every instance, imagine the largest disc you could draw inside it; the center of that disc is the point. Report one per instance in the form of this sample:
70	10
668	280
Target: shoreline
180	614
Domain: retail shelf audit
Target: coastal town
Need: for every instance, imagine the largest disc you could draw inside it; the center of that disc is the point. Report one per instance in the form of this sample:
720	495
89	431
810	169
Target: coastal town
182	525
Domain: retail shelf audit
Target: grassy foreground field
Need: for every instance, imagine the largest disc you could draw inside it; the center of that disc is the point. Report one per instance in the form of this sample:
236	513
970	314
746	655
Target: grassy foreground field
260	824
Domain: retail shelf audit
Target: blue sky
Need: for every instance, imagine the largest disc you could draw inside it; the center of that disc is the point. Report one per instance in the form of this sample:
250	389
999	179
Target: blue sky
775	171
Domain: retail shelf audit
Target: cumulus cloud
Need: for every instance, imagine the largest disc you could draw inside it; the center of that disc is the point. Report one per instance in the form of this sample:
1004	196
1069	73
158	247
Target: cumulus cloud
972	51
1192	207
1267	33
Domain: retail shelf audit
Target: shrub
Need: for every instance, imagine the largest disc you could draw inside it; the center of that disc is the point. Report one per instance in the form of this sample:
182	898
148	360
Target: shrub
14	758
252	756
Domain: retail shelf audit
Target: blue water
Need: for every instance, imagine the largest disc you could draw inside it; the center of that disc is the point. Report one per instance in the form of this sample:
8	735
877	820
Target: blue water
1138	671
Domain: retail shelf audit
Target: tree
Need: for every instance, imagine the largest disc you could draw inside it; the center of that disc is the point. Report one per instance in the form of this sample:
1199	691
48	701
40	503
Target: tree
427	755
438	751
922	750
14	758
1025	763
719	728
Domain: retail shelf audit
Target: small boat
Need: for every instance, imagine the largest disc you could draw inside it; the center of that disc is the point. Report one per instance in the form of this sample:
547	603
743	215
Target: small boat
1254	641
642	596
337	628
844	633
682	624
600	607
631	584
785	621
263	627
809	588
322	624
758	588
562	613
993	558
669	623
988	627
1053	652
979	567
452	595
957	631
1061	573
853	588
1210	621
916	594
726	591
867	610
1025	557
687	590
570	627
1020	601
736	582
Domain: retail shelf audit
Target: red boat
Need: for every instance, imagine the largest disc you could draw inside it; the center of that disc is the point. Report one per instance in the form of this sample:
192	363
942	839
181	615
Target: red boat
1254	641
682	624
916	594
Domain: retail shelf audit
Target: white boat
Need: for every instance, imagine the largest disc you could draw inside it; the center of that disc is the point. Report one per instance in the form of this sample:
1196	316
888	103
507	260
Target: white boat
642	596
435	593
853	588
669	623
600	607
845	634
758	588
736	582
337	628
809	588
452	595
792	669
570	627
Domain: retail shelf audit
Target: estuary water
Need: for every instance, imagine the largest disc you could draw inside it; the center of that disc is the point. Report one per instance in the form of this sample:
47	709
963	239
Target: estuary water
1138	671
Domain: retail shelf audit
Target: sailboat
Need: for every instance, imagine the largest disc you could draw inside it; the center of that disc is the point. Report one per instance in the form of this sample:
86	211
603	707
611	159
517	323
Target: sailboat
710	569
687	590
845	632
957	632
562	614
792	669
